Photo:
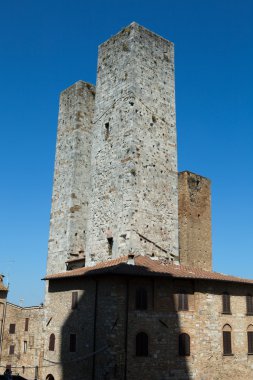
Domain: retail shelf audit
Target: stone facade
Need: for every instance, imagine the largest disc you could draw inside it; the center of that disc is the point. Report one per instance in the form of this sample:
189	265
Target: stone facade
22	339
134	157
71	189
194	202
119	208
106	321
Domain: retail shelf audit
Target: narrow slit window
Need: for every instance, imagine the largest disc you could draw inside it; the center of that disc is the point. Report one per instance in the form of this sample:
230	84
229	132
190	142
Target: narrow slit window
25	346
183	301
141	344
110	245
107	131
51	342
250	339
227	341
26	324
226	303
249	304
72	343
74	300
184	345
141	299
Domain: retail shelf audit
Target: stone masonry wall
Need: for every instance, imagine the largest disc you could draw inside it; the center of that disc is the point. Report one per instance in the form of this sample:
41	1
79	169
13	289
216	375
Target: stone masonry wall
194	200
134	206
27	355
106	321
68	220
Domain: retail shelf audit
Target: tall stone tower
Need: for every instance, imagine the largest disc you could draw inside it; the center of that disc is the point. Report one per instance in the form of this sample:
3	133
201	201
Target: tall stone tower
195	241
134	196
68	219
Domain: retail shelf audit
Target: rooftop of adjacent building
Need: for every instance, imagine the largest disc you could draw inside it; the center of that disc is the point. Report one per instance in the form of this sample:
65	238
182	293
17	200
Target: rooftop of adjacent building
137	265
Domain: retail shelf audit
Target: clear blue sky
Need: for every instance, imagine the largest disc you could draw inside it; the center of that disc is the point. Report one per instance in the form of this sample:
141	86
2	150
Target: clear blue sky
45	46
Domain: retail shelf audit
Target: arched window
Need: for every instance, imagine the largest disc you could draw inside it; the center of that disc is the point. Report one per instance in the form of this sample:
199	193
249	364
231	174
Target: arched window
141	344
250	339
50	377
141	299
184	345
226	303
183	301
51	342
227	342
249	304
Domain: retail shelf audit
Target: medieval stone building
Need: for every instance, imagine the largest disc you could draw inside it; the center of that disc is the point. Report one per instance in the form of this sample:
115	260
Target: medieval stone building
130	291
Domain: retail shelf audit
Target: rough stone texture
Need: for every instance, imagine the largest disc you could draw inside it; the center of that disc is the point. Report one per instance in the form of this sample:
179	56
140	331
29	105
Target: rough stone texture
68	220
107	307
194	215
134	156
22	363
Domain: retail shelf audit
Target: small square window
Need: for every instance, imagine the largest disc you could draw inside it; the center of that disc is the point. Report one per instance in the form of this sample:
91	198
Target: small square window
12	328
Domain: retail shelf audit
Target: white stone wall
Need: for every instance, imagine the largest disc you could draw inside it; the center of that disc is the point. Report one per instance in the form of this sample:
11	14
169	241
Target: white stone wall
134	156
71	187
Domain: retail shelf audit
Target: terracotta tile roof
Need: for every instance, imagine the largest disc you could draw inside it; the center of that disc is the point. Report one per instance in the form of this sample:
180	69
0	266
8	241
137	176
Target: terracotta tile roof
145	266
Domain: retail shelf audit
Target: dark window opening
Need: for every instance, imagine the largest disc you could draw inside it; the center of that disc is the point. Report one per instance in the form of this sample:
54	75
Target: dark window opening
107	131
249	304
184	345
12	349
227	346
250	342
141	344
141	299
26	324
183	301
51	342
12	328
226	303
74	300
25	346
72	343
110	244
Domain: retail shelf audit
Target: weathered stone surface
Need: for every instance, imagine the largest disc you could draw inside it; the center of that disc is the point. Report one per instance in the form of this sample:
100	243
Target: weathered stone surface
134	156
68	221
195	241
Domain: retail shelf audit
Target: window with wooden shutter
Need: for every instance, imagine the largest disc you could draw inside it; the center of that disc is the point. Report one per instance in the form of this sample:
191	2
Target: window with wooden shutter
226	303
141	299
26	324
72	343
12	349
51	342
74	300
183	301
227	341
12	328
184	348
249	304
250	339
141	344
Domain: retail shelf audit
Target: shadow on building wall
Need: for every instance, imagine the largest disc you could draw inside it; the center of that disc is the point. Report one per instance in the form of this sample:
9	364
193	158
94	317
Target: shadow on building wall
124	326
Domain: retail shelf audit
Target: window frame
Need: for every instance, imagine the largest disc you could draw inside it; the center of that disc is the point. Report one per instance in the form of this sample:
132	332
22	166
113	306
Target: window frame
227	340
12	328
226	303
183	301
51	344
249	304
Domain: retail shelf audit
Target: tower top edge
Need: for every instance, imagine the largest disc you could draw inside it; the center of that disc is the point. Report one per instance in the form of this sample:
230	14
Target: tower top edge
80	83
135	26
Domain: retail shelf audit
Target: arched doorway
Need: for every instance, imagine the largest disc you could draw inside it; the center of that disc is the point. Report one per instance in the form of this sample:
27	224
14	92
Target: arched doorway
50	377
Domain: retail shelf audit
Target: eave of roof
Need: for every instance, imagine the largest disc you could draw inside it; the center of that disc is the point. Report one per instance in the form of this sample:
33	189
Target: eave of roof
145	266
